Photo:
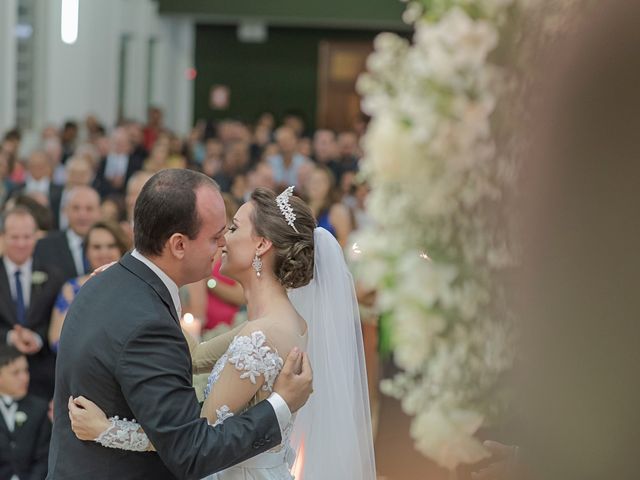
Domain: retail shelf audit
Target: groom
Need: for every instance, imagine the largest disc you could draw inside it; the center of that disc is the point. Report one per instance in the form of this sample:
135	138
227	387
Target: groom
122	347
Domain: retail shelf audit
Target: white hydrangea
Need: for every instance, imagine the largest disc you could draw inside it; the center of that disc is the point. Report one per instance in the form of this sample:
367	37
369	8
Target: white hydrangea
432	162
447	436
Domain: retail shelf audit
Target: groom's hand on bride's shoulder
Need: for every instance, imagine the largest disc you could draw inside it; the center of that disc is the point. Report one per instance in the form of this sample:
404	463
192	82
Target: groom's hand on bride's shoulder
295	382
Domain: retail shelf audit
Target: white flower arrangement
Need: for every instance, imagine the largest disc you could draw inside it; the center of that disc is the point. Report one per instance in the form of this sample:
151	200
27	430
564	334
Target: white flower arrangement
432	161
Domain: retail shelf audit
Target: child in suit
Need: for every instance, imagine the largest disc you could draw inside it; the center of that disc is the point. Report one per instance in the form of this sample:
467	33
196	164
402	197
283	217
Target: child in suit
25	428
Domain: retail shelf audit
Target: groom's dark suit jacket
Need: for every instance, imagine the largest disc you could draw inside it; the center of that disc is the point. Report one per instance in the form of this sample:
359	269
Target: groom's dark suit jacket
122	347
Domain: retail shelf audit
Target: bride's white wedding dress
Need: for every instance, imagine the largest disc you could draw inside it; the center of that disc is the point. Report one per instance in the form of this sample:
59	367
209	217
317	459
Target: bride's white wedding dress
331	436
252	356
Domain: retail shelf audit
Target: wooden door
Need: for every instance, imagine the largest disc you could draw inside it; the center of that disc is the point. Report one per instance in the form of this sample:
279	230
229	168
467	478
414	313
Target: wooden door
339	65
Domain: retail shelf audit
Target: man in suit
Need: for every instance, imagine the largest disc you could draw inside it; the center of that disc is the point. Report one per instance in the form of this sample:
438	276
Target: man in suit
25	429
117	167
78	172
38	181
28	290
64	250
122	347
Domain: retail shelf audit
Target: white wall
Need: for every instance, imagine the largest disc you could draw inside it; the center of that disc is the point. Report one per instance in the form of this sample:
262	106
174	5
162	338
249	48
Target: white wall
175	54
73	81
8	20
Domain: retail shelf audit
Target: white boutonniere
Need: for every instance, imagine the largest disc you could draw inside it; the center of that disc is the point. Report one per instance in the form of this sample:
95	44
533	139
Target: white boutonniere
38	277
21	417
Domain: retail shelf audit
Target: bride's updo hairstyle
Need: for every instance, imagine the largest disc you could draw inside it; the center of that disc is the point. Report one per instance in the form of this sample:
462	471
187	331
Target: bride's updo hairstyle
293	264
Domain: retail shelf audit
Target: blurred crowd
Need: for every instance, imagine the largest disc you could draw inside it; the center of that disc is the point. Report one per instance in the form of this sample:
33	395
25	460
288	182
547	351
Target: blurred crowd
67	209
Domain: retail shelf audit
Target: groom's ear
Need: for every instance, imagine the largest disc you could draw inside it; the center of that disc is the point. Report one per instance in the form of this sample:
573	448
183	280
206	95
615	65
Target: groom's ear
264	245
176	245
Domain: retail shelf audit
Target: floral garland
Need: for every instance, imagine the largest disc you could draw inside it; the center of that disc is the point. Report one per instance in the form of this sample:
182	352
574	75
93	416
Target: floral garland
435	169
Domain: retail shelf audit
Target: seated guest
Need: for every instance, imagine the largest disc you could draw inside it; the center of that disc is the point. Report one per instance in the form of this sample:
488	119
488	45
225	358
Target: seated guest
78	172
25	428
288	161
64	250
38	180
323	199
116	168
106	243
134	187
112	209
28	290
6	185
42	214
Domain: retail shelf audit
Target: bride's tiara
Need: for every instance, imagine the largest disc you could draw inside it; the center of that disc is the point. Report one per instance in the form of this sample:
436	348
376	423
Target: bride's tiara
285	207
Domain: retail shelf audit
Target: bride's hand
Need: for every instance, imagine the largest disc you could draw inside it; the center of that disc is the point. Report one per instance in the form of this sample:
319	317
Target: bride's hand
88	421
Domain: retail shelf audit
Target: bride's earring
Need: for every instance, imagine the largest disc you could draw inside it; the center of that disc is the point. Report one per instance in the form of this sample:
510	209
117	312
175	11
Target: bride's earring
257	265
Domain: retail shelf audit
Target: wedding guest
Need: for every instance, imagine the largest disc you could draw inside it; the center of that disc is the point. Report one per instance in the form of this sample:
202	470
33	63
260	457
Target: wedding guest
78	173
118	166
6	185
153	128
324	203
38	180
112	209
64	249
42	213
288	160
68	138
212	162
105	243
157	159
28	288
134	187
325	150
25	429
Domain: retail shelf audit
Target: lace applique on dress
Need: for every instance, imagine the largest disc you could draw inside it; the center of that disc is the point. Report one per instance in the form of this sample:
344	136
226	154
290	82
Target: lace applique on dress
248	354
253	357
124	435
222	414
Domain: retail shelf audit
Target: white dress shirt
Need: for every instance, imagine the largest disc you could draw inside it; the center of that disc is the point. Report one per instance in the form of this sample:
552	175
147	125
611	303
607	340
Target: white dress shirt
40	186
277	402
26	271
75	245
8	413
25	278
116	166
63	221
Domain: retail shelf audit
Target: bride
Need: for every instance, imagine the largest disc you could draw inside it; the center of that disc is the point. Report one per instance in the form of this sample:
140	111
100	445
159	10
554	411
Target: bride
299	294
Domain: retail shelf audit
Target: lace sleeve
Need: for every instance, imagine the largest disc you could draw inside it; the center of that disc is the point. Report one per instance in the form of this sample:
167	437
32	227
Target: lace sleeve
253	357
124	435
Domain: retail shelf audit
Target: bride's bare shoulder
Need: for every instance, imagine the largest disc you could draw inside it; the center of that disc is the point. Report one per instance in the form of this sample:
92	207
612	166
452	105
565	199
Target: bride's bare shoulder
280	333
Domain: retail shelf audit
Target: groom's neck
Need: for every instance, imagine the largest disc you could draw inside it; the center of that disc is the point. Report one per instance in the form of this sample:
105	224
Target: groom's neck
168	266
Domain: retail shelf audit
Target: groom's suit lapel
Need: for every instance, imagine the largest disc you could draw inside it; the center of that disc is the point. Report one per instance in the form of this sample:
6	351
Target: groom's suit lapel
143	272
